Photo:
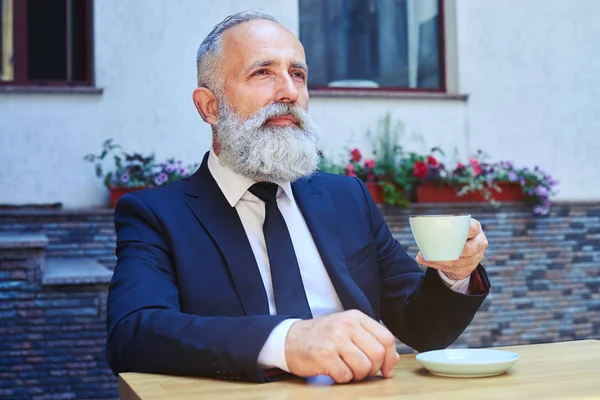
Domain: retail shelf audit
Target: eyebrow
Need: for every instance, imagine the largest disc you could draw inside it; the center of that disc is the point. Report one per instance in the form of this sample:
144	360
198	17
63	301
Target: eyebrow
269	63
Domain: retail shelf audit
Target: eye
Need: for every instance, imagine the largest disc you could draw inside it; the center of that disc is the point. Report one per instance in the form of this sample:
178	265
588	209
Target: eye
299	74
260	72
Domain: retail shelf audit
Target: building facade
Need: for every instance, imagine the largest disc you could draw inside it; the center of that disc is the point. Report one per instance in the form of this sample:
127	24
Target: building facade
516	79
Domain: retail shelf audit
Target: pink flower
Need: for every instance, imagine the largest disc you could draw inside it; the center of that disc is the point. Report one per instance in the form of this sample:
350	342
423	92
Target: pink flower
476	167
350	170
370	163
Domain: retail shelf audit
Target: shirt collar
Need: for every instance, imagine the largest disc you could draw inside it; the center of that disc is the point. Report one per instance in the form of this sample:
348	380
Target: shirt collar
234	185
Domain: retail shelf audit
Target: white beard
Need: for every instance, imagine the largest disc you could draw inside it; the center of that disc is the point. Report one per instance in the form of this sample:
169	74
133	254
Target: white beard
267	153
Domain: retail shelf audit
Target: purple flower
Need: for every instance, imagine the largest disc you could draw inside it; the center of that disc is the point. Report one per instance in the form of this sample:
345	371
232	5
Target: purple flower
160	179
182	171
547	202
541	191
537	210
522	182
125	177
170	168
512	177
506	164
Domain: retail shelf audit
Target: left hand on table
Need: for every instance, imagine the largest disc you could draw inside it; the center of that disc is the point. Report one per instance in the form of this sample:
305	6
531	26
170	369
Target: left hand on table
470	258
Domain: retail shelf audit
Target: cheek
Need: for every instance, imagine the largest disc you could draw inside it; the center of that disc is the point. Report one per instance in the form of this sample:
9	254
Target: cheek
247	103
302	100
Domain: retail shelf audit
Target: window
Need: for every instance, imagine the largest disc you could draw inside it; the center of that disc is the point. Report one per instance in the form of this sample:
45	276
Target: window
376	44
46	42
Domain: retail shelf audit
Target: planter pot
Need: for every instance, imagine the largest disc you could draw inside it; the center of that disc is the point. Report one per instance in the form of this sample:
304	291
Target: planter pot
116	193
376	192
510	192
432	193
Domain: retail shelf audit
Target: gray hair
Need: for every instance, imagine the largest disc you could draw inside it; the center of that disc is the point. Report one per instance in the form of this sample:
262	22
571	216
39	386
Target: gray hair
208	57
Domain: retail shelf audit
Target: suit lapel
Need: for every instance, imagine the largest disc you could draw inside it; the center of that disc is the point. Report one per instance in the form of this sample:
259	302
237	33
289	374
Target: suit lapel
320	216
223	224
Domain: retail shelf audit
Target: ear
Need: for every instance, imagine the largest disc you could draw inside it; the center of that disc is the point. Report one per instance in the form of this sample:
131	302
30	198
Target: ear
206	103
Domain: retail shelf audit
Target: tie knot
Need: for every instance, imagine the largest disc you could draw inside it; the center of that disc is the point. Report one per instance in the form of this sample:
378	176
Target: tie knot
266	191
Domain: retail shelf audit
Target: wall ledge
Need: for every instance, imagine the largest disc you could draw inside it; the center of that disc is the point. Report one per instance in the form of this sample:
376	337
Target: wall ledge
10	241
7	89
75	271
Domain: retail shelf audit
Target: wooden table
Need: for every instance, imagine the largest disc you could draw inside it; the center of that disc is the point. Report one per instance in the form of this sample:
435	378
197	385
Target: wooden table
568	370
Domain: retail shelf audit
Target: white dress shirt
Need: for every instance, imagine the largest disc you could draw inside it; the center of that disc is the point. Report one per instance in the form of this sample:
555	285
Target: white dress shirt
320	293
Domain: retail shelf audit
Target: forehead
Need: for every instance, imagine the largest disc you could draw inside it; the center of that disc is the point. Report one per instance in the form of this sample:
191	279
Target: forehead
257	40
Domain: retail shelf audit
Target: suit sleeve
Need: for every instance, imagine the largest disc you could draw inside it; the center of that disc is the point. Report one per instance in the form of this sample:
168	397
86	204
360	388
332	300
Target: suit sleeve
147	332
418	308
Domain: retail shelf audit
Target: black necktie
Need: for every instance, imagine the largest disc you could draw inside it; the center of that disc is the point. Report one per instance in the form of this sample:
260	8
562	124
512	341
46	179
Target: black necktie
290	297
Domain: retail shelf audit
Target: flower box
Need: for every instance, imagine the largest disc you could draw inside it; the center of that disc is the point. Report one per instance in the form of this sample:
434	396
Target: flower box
376	191
433	193
117	192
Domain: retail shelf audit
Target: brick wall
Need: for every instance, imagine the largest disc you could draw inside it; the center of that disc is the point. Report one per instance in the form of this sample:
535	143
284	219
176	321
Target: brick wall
545	274
72	233
53	337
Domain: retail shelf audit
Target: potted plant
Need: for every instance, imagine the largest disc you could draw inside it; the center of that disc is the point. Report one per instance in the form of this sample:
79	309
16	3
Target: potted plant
479	180
133	171
367	172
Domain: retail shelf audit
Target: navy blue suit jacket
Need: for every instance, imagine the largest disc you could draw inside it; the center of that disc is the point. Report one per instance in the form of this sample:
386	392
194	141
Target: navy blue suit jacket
187	298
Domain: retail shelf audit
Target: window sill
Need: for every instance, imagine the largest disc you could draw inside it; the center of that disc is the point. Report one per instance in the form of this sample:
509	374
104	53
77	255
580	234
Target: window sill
51	89
388	94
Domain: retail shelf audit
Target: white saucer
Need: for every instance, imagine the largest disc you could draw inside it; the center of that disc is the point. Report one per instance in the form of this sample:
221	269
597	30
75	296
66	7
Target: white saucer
467	363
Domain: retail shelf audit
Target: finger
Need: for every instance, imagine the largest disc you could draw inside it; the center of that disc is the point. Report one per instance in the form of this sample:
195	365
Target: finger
339	371
463	263
356	360
460	269
474	229
472	247
369	345
387	340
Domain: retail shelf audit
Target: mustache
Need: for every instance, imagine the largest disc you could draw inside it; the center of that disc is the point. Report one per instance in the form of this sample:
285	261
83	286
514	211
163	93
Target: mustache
269	111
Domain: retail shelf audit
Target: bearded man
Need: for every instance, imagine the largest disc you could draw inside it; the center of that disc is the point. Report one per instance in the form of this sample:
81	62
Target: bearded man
257	267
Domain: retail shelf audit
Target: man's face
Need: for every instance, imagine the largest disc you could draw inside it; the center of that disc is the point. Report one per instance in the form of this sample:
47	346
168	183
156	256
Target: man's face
261	128
262	63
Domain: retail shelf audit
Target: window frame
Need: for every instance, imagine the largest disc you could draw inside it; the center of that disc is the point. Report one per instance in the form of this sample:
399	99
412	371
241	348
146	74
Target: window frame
20	50
443	81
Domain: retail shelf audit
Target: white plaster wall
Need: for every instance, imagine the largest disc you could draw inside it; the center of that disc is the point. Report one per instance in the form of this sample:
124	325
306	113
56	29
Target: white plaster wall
145	61
344	124
531	68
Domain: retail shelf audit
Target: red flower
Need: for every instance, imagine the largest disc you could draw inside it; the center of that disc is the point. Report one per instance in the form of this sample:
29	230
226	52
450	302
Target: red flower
432	161
355	155
476	167
370	163
460	165
421	169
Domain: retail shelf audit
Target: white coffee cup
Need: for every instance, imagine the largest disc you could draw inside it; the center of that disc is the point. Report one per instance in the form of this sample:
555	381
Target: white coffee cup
441	237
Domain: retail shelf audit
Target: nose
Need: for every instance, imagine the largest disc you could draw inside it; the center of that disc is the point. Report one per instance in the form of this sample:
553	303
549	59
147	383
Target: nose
286	91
